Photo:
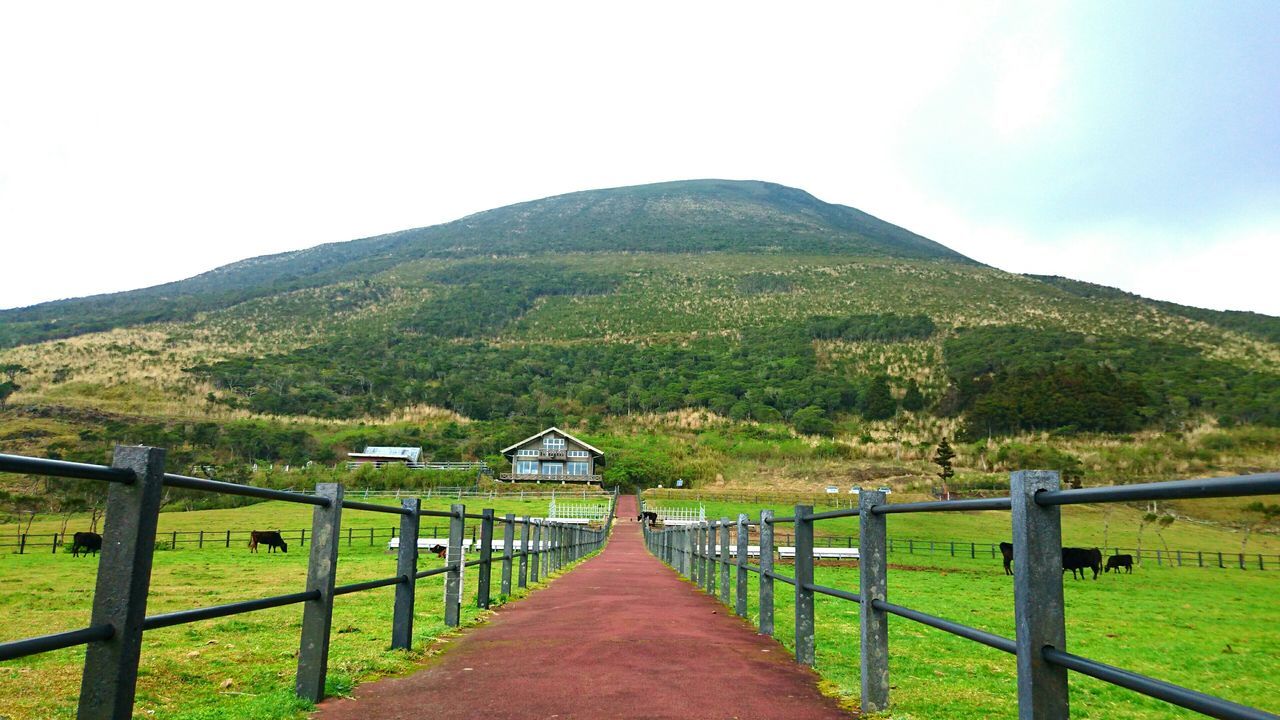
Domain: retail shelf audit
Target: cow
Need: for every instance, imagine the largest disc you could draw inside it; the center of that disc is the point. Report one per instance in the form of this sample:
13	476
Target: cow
438	550
270	538
1120	561
1006	551
1081	559
648	516
90	542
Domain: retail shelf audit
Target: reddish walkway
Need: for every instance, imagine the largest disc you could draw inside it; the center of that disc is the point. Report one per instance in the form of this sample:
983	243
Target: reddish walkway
620	636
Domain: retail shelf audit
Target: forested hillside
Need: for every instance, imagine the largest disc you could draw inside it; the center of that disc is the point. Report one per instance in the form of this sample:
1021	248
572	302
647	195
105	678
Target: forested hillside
750	301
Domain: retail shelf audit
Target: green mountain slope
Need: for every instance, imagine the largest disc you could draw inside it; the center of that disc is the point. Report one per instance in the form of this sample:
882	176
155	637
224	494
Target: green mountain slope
752	300
688	216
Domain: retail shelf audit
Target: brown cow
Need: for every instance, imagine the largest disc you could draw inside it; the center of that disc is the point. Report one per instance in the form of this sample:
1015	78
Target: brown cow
270	538
1006	551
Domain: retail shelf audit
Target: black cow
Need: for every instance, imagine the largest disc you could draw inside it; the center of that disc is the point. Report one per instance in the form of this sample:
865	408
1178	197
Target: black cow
438	550
648	516
1006	551
270	538
1081	559
90	542
1120	561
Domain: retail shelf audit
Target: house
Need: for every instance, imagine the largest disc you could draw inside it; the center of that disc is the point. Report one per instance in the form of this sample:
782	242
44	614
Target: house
379	456
553	455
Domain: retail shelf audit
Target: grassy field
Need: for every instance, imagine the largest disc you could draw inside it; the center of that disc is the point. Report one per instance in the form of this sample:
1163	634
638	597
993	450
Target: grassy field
1208	631
1082	525
239	666
288	517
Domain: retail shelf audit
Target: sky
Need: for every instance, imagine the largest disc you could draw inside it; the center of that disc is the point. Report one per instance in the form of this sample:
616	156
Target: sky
1132	144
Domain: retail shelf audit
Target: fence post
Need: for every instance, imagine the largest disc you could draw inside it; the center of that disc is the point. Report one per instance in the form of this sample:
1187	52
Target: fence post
873	575
485	578
110	677
695	553
744	537
725	586
317	614
711	559
537	551
522	577
455	558
804	585
766	572
1037	597
407	568
508	550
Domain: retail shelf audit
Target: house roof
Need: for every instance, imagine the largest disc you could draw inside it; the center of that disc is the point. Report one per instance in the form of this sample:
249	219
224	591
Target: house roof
411	454
558	430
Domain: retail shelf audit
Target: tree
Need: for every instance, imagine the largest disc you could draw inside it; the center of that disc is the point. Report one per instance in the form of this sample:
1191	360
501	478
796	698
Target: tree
942	457
11	371
913	401
877	403
1165	521
1257	515
1147	518
812	421
7	389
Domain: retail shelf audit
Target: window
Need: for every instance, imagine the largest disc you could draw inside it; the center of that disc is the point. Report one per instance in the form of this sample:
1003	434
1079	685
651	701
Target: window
527	467
579	453
552	468
553	443
527	452
578	468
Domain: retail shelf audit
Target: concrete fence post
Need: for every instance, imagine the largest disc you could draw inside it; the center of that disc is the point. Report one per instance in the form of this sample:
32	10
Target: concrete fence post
455	558
485	577
317	614
873	622
695	553
1039	610
766	572
725	585
406	567
508	552
109	682
522	577
804	585
712	570
744	537
535	558
690	553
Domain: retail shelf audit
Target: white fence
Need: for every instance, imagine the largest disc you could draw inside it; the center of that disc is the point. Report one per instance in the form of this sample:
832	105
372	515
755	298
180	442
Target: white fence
576	512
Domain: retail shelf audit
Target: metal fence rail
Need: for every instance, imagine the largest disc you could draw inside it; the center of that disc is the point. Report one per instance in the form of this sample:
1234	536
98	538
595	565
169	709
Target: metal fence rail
1039	645
118	620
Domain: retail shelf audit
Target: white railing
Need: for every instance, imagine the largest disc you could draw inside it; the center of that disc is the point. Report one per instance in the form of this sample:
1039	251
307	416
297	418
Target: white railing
540	478
678	515
568	512
479	465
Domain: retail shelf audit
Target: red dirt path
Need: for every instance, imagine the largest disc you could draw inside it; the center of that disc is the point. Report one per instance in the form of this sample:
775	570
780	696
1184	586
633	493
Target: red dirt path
621	636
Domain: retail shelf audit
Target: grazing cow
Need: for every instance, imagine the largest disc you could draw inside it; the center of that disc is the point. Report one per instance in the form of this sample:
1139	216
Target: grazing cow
1081	559
648	516
90	542
1006	551
1120	561
270	538
438	550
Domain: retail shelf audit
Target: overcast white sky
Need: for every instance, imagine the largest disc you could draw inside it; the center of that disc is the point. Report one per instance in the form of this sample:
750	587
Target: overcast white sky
1130	144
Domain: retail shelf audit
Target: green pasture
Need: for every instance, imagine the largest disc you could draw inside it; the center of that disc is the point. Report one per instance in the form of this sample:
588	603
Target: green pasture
1082	525
1212	631
289	517
240	666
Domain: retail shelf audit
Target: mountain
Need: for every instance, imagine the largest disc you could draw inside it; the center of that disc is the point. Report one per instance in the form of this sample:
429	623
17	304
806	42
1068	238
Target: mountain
752	300
674	217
